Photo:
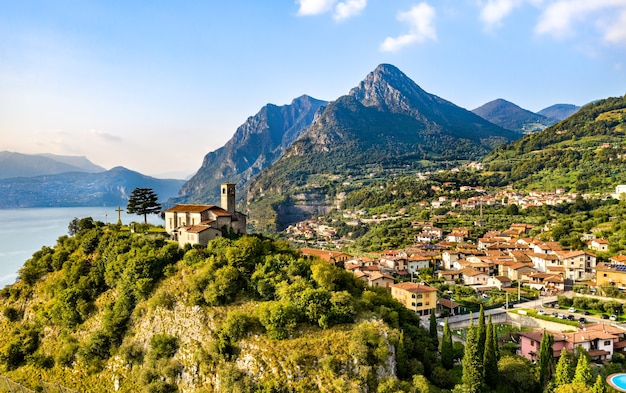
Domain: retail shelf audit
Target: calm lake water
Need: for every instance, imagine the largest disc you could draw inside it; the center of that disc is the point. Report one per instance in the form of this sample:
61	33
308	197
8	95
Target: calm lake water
24	231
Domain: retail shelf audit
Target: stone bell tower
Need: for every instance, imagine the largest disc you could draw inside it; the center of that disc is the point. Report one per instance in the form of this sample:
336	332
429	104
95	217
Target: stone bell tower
228	197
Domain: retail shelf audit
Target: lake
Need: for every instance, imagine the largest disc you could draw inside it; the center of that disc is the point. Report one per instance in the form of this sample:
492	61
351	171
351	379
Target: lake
24	231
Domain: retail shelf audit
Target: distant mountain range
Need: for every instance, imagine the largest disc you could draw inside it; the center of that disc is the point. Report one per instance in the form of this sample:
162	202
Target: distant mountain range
559	112
27	165
512	117
72	189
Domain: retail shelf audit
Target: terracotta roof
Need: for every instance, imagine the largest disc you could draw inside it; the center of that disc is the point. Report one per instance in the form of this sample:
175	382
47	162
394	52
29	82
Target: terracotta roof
414	287
188	208
449	303
197	228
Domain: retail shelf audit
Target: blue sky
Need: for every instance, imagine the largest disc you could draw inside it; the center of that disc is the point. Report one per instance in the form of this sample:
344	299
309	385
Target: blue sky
155	85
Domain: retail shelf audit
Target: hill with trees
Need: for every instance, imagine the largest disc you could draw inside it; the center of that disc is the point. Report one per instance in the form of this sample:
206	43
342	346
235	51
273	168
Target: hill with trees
584	152
106	309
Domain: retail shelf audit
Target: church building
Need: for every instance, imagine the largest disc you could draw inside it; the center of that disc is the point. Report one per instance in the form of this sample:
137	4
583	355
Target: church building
198	224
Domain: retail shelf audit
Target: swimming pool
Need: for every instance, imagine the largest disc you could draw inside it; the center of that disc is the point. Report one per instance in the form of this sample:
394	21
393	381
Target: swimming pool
618	381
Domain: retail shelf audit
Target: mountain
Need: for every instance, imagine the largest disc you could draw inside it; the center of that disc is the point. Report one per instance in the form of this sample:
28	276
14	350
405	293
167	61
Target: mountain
257	143
559	112
512	117
27	165
73	189
386	121
584	152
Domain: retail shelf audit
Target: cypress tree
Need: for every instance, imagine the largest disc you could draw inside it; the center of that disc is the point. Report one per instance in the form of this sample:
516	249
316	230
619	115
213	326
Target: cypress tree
546	359
433	327
482	333
402	360
494	338
472	366
583	372
447	350
490	363
563	373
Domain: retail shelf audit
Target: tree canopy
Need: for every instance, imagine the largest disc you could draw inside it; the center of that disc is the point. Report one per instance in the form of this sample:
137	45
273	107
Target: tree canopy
143	201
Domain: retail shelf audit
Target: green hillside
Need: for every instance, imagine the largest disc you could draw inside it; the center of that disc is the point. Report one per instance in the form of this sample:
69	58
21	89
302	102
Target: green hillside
585	152
106	309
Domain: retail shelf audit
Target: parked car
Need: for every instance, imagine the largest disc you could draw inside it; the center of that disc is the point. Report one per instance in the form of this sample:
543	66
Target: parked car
582	320
571	309
613	317
604	316
585	312
561	316
557	305
540	312
555	314
570	317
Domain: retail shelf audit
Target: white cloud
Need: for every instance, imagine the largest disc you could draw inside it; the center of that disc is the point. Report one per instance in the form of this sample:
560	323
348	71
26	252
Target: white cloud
105	136
494	11
349	9
562	18
341	10
315	7
420	19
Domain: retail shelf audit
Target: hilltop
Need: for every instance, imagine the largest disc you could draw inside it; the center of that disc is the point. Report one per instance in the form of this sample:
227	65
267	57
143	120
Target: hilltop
512	117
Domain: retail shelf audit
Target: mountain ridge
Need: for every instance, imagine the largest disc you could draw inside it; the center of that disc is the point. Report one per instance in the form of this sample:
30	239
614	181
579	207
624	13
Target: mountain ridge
257	143
14	164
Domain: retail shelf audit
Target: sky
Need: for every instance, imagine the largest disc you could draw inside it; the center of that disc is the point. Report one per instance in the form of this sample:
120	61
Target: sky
156	85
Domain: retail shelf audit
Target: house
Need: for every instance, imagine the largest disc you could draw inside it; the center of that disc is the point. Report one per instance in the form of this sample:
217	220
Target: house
334	257
611	274
378	279
448	307
472	276
599	340
598	244
499	282
417	262
419	298
198	224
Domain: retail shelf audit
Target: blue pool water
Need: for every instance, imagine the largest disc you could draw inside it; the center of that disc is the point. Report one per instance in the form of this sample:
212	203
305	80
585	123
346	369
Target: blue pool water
618	381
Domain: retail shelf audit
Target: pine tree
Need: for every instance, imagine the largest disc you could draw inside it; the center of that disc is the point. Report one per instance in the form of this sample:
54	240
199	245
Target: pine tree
482	333
598	386
490	363
143	201
563	373
546	359
583	372
447	350
433	327
472	366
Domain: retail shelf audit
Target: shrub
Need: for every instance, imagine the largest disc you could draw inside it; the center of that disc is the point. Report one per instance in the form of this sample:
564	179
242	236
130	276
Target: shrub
163	346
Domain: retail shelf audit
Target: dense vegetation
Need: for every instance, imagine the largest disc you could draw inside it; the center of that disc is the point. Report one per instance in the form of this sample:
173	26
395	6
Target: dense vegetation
101	305
570	154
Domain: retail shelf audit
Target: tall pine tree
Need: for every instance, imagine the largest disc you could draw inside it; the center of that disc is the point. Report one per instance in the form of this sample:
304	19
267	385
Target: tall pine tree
472	365
490	361
546	359
598	386
447	349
